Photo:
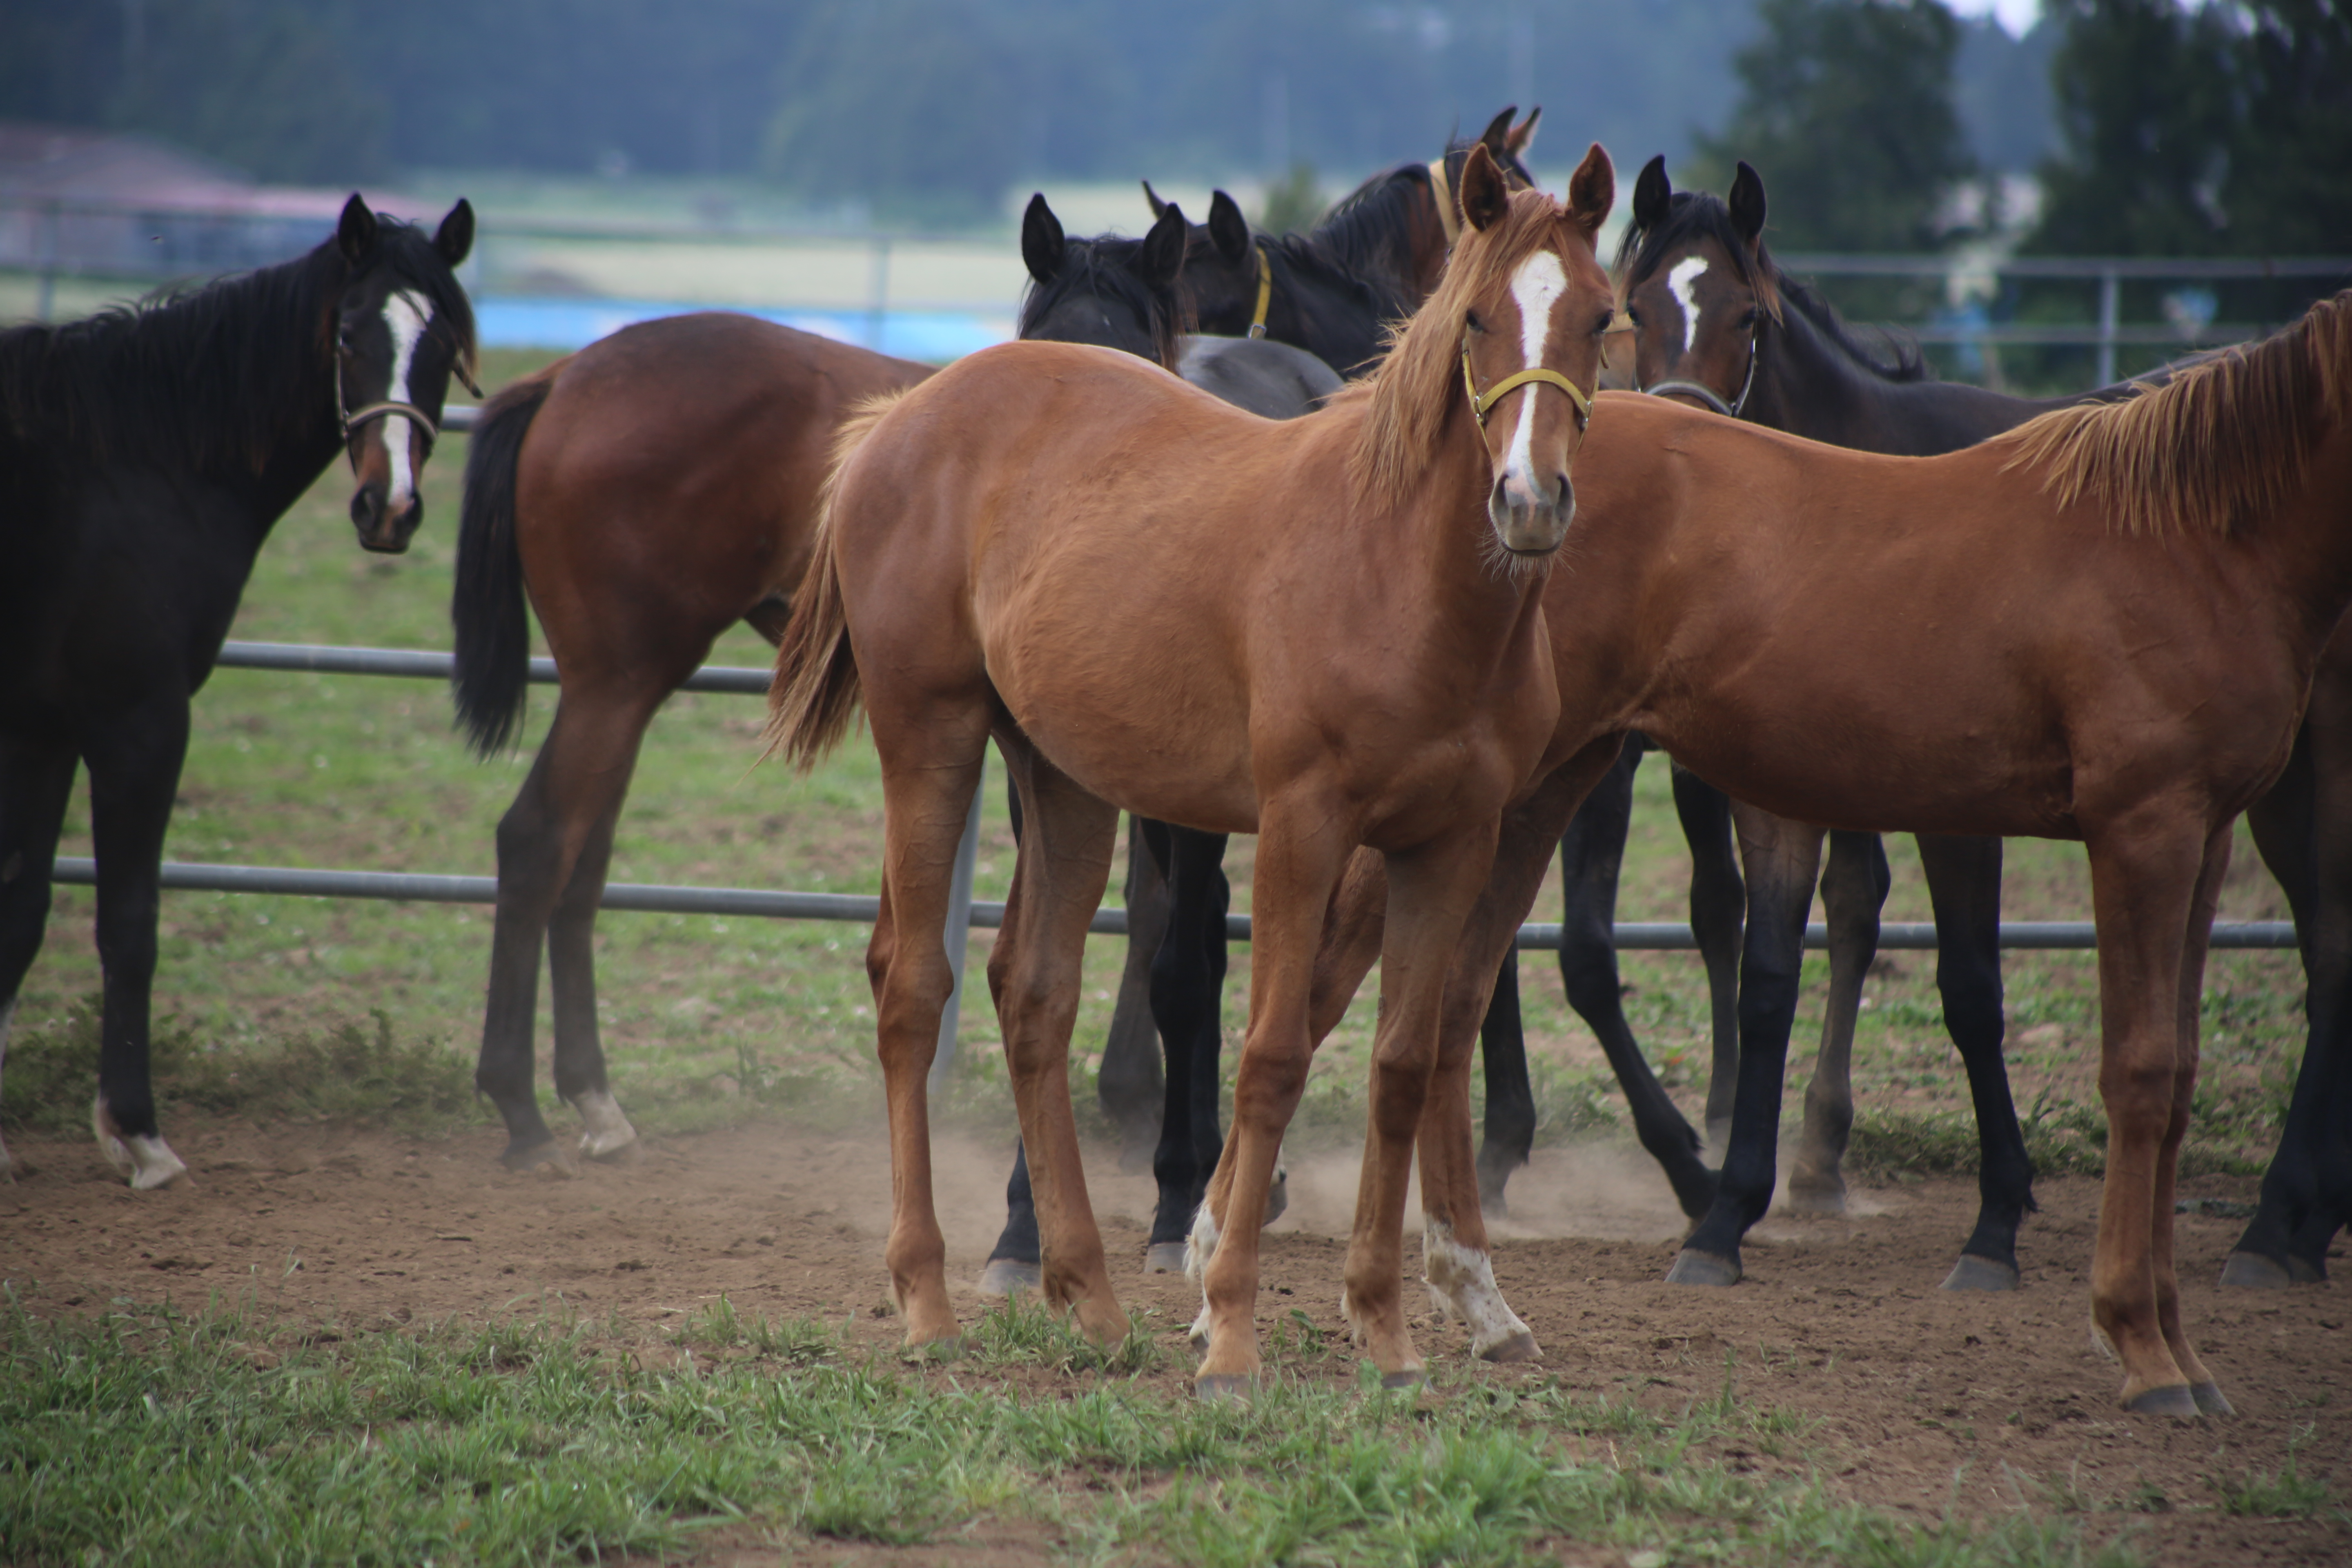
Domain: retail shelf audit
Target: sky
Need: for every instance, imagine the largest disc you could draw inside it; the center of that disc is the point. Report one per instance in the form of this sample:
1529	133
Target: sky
2014	16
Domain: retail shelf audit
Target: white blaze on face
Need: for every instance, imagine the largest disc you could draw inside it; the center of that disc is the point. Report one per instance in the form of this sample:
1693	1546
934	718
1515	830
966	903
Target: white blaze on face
405	319
1536	288
1684	281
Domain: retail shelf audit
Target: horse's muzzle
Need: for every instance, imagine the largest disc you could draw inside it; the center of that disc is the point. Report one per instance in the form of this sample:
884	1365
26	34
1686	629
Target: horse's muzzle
1530	521
385	534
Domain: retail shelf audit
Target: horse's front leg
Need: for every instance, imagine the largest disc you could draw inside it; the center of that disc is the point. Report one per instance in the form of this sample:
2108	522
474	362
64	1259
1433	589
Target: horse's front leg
36	783
1854	891
1303	845
134	774
2202	1389
2147	873
1431	889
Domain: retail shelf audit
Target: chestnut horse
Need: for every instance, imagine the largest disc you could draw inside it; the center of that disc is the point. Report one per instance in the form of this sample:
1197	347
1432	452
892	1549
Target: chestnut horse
145	453
2101	624
648	492
1324	631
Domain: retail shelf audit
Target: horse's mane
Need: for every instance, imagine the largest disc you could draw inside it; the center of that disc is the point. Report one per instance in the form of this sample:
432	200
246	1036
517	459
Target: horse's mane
1693	217
2212	447
1100	267
201	374
1349	245
1408	396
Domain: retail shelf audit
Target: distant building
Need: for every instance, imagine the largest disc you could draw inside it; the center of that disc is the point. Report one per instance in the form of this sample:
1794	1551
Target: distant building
94	203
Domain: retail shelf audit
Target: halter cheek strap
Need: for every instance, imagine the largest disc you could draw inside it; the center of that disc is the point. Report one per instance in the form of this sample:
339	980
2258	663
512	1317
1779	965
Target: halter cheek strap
1708	395
1532	377
1265	293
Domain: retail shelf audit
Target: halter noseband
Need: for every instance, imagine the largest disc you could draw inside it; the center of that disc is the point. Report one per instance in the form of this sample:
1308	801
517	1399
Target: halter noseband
1532	376
356	419
1708	395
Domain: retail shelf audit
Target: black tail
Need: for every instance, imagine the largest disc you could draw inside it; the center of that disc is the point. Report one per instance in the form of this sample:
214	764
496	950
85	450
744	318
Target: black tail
493	629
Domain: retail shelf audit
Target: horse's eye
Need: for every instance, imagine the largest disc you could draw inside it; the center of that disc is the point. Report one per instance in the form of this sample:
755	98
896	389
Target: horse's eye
1748	322
1601	327
1472	322
1633	316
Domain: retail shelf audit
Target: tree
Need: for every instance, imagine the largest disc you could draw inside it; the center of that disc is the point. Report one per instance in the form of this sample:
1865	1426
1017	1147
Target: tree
2289	188
1846	109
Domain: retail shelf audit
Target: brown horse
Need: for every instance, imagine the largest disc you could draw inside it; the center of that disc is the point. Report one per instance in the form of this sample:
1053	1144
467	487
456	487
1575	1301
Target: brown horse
2102	625
1325	632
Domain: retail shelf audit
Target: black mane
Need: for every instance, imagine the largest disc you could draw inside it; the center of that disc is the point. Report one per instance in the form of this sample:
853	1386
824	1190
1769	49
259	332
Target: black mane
1103	267
199	374
1697	215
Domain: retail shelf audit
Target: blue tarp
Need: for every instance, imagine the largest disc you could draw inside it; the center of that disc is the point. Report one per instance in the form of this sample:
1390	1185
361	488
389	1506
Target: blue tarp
516	322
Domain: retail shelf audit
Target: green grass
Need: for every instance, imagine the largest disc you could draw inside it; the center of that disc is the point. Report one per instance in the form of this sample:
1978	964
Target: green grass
234	1437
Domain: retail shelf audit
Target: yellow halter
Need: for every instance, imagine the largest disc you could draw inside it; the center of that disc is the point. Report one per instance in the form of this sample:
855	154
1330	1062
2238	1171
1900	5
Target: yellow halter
1533	376
1265	292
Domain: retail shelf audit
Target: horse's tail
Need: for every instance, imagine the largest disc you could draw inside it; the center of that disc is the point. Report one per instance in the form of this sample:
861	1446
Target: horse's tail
814	695
493	657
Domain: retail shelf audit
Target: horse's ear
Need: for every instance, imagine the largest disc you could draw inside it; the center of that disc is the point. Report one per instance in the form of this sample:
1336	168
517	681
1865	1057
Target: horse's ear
1653	193
455	239
1162	260
1152	197
1523	134
1592	189
1485	198
1228	230
355	230
1041	240
1496	137
1747	205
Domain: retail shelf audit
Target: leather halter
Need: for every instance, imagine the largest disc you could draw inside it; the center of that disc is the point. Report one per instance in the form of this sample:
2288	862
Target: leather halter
1532	377
1708	395
1265	292
356	419
1450	220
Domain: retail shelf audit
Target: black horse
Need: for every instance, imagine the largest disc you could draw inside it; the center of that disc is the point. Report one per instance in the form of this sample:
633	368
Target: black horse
1332	293
144	455
1716	321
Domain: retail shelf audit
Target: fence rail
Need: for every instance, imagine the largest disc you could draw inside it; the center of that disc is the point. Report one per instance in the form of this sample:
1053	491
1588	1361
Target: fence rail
665	899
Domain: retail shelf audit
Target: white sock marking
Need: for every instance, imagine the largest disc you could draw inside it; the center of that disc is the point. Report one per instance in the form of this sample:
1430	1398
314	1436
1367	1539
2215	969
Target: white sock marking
1684	281
1461	1283
405	319
607	1130
145	1162
1200	1245
1536	286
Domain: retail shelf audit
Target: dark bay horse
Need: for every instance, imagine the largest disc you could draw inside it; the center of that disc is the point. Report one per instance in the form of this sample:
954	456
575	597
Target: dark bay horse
1324	631
646	493
2102	625
144	455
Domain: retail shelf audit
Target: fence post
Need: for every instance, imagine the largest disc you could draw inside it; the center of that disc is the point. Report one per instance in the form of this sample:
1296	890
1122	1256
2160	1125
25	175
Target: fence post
2110	300
877	293
959	933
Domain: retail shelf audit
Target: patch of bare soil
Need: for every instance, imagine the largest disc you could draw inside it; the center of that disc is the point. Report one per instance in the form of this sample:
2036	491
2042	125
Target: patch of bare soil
1922	1400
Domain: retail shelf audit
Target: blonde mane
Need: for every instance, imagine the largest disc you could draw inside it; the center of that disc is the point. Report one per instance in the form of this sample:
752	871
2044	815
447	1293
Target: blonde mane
2209	449
1421	377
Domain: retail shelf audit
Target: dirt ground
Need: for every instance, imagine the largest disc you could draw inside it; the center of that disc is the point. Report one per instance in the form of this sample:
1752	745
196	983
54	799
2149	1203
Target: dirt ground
1925	1401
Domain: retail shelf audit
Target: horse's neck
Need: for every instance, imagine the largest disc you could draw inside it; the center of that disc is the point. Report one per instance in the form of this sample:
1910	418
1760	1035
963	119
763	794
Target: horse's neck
2309	536
306	430
1808	384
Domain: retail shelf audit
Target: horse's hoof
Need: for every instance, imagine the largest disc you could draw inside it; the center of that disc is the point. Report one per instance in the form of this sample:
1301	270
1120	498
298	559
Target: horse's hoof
549	1158
2210	1400
2252	1271
942	1347
1210	1388
2166	1399
609	1135
1513	1350
1164	1257
1976	1273
1278	1197
1411	1377
1826	1199
1693	1267
1003	1276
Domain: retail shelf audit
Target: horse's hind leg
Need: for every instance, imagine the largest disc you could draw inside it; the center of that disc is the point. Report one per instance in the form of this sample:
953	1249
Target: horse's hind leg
2209	1400
35	782
1188	1010
1130	1087
1719	911
134	771
1035	972
571	975
1592	851
1854	889
579	779
1964	881
1782	859
1510	1131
